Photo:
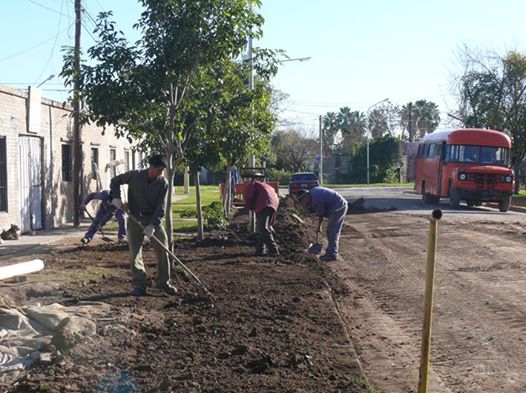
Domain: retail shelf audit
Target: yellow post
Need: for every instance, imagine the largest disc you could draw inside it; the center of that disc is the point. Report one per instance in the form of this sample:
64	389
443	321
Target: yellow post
428	301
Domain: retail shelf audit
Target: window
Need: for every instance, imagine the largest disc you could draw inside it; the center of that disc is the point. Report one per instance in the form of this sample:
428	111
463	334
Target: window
126	160
3	175
484	155
94	162
113	157
67	160
434	150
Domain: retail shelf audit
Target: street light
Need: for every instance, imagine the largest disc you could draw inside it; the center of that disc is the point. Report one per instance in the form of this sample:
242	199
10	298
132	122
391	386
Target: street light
45	80
295	59
369	131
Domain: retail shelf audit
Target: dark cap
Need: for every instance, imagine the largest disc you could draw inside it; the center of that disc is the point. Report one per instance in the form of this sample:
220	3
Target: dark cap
157	161
301	193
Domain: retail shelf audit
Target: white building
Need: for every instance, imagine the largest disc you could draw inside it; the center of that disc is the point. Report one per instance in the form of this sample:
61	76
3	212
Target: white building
36	160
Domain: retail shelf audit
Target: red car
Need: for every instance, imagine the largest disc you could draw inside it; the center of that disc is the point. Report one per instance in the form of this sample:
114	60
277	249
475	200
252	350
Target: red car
306	180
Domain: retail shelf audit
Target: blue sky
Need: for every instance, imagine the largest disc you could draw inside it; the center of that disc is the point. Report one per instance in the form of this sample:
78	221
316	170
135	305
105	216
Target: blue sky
361	51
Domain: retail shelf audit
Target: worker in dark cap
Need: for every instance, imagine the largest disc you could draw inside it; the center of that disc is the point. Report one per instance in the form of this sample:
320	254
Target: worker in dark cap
147	191
326	203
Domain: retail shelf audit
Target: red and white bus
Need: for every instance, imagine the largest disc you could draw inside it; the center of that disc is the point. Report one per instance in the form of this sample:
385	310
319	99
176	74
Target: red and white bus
471	165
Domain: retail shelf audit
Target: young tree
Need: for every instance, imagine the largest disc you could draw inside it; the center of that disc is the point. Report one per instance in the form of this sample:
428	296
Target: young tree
146	89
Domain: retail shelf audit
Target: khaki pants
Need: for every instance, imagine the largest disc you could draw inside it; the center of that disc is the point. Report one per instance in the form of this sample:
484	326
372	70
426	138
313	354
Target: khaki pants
135	239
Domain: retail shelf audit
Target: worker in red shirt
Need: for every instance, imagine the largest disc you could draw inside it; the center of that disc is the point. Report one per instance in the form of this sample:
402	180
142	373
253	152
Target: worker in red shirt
263	200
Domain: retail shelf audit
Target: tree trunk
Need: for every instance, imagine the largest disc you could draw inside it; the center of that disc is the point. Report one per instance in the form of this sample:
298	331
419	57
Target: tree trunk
227	192
198	207
170	171
516	169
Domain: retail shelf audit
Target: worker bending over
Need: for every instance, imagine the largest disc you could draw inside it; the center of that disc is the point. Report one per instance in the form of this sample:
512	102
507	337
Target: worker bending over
104	214
326	203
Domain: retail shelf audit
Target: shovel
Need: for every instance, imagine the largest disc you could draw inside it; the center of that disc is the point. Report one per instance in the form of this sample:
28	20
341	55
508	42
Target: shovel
315	248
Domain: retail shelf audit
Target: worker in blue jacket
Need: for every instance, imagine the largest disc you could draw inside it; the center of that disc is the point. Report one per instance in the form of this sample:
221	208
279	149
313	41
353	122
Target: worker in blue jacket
104	214
326	203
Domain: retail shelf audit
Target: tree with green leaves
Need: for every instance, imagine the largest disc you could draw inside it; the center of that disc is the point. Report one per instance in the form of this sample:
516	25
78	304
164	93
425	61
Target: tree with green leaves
384	156
492	91
343	131
152	90
242	121
330	129
383	119
353	127
294	152
418	118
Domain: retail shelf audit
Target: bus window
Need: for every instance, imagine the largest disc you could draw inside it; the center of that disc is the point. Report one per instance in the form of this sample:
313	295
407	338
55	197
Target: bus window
434	150
469	153
494	156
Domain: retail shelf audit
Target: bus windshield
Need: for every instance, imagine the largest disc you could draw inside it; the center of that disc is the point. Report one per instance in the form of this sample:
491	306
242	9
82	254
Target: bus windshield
484	155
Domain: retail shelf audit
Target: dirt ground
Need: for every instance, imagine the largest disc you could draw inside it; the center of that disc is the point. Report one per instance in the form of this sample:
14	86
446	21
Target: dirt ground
292	324
274	324
479	325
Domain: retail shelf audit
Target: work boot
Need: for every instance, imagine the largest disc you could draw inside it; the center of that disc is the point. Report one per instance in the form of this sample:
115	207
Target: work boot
168	288
328	258
85	240
138	291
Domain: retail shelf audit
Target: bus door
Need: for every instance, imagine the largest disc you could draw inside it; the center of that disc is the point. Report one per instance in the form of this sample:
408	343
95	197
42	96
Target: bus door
441	167
433	168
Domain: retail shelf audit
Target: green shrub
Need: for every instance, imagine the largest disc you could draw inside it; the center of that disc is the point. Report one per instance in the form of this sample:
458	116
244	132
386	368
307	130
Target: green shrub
213	216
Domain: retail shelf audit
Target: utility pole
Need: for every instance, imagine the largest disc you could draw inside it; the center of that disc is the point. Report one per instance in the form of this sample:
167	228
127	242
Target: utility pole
410	127
321	153
77	150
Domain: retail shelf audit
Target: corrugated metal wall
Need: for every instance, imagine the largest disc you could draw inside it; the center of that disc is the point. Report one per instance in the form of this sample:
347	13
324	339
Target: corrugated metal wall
30	150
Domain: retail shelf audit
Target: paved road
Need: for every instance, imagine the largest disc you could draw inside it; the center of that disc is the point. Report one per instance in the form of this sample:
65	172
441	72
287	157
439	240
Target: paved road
405	200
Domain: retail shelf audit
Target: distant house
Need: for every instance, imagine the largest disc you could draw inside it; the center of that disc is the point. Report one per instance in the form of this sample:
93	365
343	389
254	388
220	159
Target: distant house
36	160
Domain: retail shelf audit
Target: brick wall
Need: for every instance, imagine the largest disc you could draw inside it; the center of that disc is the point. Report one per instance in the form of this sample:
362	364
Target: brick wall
56	129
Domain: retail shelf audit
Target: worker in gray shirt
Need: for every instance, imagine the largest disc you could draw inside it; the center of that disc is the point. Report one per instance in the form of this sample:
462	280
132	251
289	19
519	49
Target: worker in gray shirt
147	191
326	203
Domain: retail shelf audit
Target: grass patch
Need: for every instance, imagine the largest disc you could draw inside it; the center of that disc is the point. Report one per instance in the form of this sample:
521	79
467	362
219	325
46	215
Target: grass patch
209	194
187	225
185	212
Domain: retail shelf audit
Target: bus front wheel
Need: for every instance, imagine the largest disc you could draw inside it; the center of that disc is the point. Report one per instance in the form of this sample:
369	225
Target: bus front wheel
454	198
504	204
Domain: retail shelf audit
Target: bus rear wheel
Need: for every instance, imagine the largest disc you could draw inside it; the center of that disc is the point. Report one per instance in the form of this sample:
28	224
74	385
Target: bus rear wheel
504	204
454	198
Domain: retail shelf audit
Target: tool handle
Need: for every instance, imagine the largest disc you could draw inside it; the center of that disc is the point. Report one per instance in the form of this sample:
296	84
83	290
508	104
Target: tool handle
155	239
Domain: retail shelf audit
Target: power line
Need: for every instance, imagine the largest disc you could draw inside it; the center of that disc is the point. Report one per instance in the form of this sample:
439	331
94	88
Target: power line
47	8
33	47
54	43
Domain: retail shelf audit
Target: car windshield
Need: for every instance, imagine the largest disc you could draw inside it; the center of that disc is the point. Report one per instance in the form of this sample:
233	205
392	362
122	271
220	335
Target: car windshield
304	177
484	155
